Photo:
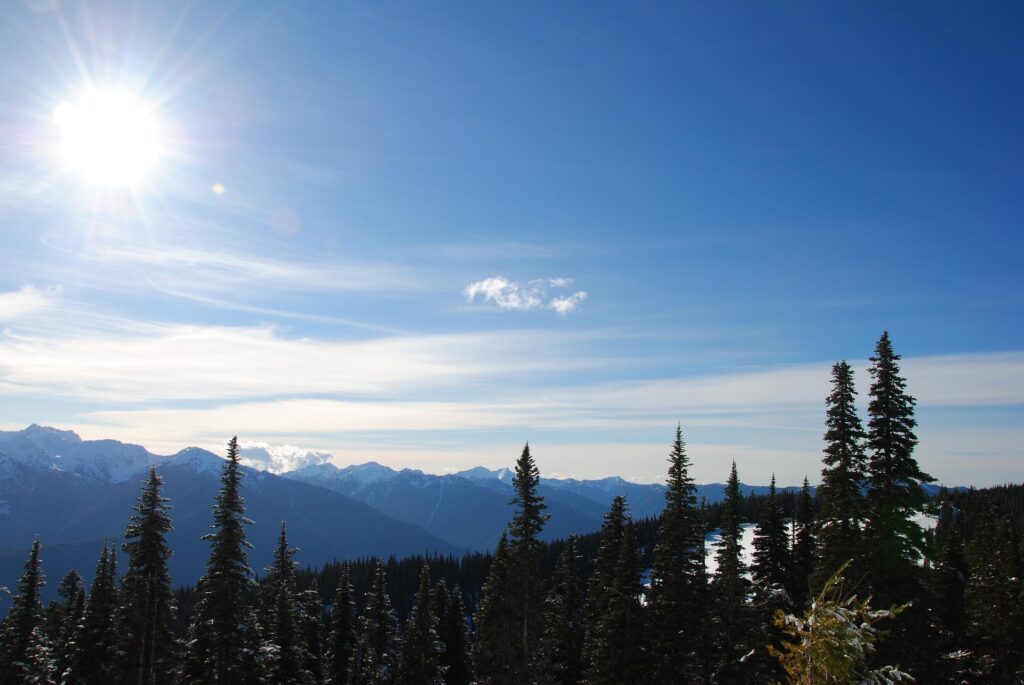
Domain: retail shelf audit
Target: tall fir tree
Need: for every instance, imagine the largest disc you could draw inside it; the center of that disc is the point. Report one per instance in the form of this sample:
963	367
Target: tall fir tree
146	652
25	616
733	619
342	636
804	544
525	548
421	646
220	634
843	505
375	659
679	580
560	657
770	569
894	542
65	618
311	610
597	642
95	641
455	659
282	612
620	657
497	644
895	496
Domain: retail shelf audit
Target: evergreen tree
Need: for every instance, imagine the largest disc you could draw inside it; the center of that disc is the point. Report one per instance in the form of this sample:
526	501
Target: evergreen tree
525	547
834	641
16	636
375	658
803	546
561	645
843	506
597	644
146	654
771	552
342	637
995	601
455	658
421	646
311	610
732	618
64	619
41	667
282	624
220	635
895	496
678	580
620	631
95	641
894	542
497	645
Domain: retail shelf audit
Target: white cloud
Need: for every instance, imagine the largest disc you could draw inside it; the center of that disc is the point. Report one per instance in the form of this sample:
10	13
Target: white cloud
279	458
26	300
510	295
565	305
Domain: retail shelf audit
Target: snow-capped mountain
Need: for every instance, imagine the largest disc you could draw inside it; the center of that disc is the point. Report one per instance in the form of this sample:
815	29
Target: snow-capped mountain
75	494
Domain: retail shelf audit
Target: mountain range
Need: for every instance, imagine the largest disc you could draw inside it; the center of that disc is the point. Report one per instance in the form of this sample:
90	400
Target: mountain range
75	494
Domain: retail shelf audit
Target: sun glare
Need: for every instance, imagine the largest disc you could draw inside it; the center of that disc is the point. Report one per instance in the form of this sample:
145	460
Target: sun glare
109	139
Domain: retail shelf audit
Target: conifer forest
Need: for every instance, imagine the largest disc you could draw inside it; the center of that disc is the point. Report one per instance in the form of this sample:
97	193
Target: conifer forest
843	586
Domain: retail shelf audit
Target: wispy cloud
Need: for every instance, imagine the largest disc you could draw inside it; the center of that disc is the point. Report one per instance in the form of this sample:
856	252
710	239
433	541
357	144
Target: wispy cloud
25	300
510	295
166	363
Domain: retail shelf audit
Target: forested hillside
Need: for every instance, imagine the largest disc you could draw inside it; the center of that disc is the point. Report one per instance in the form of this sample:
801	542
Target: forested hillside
842	586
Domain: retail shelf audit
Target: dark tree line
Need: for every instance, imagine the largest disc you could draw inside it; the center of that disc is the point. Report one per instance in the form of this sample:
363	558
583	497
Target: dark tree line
632	603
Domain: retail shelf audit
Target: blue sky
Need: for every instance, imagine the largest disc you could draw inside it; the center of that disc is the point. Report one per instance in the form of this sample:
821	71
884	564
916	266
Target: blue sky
447	228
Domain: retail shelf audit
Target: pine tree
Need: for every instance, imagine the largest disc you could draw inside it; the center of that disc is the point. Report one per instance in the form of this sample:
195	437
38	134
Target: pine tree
679	580
65	618
282	623
220	619
342	637
733	618
311	610
421	646
455	658
618	657
95	641
497	645
16	637
843	506
525	548
894	542
596	643
804	543
771	553
146	654
895	496
995	600
560	653
375	658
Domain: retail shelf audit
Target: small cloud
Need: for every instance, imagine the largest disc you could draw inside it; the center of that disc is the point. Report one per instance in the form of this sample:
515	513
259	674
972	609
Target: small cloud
28	299
279	458
565	305
510	295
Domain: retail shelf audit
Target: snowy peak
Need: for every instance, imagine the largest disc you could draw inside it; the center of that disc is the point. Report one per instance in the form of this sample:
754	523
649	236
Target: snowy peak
42	447
478	473
196	459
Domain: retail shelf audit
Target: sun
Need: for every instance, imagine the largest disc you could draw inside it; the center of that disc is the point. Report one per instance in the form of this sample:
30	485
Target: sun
108	138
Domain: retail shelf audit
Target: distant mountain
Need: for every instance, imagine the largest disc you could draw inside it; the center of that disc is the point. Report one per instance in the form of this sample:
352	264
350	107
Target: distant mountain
75	494
466	513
